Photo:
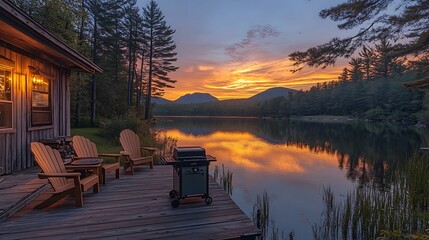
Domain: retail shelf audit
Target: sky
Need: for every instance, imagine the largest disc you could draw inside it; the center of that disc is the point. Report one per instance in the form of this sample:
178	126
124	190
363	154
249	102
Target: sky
238	48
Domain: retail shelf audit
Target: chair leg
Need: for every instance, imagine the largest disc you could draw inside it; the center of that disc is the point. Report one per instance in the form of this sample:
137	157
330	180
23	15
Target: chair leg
126	165
132	169
117	173
78	196
151	165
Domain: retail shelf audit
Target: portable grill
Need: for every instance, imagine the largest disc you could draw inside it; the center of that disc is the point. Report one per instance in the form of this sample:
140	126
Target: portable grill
190	174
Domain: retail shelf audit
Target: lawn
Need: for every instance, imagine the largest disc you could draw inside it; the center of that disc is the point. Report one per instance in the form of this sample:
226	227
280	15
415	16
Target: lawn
103	145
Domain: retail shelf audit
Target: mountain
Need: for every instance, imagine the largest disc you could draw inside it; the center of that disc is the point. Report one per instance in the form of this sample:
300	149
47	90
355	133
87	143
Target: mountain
206	97
160	100
196	98
271	93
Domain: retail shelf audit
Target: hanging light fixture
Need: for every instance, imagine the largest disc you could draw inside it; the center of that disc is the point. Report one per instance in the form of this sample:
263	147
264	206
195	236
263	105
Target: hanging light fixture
36	77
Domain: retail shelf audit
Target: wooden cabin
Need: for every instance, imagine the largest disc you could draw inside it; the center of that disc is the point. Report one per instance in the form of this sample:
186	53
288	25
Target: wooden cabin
35	71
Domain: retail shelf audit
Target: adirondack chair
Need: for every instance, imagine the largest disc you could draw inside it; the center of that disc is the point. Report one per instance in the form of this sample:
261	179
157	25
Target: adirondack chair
62	182
84	148
132	150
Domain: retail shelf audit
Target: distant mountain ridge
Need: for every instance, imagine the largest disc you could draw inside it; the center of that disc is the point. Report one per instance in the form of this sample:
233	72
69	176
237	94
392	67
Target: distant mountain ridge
196	98
271	93
206	97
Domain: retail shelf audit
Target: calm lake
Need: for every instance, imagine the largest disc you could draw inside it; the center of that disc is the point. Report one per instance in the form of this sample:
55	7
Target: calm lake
293	161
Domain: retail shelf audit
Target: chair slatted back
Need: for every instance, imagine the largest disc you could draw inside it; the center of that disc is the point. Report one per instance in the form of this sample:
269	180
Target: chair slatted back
49	161
130	142
83	147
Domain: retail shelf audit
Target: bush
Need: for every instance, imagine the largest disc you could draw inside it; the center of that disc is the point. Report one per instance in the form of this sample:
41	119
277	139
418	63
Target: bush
111	128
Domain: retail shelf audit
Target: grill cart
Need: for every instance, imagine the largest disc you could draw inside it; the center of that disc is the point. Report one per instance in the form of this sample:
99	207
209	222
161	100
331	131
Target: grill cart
190	174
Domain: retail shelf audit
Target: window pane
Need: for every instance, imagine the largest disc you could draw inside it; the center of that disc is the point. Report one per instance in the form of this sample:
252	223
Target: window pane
41	112
5	85
5	115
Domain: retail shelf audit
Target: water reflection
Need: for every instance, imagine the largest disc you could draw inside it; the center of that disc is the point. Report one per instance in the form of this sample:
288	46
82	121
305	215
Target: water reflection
363	150
294	160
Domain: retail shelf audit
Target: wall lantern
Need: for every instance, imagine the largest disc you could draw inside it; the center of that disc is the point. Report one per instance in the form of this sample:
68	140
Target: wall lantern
36	76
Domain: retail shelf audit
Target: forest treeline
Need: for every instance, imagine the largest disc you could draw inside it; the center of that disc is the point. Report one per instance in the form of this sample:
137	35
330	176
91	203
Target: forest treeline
370	87
132	45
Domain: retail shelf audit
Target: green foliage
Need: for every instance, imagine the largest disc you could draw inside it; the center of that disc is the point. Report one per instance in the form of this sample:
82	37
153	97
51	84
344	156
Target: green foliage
104	145
112	34
111	128
399	211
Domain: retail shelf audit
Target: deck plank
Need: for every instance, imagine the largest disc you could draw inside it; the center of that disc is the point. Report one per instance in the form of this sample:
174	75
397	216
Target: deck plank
132	207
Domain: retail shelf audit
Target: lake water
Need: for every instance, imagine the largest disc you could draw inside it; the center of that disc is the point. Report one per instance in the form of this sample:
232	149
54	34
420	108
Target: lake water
293	161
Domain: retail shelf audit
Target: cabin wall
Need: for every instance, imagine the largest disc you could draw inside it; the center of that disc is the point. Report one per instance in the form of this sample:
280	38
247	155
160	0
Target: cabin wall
15	154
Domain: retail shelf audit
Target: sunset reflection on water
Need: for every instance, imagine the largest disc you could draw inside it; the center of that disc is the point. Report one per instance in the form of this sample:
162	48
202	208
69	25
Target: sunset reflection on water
293	175
248	151
294	161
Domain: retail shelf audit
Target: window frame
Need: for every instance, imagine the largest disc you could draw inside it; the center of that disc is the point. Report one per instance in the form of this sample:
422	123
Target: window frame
7	65
34	109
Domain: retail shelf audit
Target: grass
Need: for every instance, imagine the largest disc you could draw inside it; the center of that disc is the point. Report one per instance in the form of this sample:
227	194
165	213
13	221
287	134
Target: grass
401	211
103	145
225	180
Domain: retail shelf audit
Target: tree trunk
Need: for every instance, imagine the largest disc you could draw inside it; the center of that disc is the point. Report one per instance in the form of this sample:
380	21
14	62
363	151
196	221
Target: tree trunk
149	82
129	66
94	59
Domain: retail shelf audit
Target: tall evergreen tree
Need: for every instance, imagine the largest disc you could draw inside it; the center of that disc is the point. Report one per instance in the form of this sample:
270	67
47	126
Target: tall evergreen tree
161	52
384	58
344	76
356	69
368	61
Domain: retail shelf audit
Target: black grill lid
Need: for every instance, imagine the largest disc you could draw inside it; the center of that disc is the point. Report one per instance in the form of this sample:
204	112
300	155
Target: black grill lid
189	153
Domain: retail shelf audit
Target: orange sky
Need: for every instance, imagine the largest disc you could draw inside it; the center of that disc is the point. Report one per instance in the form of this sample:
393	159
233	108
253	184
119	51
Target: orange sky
236	49
230	80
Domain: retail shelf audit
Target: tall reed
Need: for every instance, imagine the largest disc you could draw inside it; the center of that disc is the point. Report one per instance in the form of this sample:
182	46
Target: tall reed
225	180
370	213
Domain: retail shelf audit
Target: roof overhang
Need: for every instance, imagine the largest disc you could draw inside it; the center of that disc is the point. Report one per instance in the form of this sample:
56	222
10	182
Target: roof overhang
20	31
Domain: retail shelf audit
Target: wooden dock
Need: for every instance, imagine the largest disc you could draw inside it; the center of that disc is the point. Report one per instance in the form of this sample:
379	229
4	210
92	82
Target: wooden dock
17	190
133	207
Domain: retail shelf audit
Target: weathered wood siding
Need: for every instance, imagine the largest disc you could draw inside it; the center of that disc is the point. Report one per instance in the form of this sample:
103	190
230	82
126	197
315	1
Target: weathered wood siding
15	153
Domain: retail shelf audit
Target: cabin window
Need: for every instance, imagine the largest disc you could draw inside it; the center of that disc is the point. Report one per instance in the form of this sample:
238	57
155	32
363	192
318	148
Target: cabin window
5	98
41	107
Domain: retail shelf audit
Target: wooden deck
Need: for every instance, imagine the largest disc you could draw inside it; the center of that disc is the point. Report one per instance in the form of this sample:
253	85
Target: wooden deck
133	207
17	190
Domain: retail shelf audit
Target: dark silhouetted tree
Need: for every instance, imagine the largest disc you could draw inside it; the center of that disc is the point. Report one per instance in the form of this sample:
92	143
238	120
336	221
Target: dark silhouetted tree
161	52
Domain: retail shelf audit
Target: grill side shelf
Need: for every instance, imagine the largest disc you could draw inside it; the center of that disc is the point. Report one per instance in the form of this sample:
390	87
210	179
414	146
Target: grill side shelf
169	160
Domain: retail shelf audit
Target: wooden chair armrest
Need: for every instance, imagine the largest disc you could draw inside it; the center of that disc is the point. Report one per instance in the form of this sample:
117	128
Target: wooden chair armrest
110	155
117	156
124	153
151	150
66	175
78	158
148	148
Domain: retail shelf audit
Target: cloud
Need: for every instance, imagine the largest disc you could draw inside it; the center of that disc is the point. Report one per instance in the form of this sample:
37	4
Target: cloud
240	51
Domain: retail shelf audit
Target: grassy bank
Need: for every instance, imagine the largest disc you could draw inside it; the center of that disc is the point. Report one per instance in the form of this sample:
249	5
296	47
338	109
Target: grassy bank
104	145
325	118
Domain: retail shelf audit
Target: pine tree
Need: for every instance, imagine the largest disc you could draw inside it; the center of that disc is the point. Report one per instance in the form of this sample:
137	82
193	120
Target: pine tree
384	58
368	61
356	69
161	54
344	76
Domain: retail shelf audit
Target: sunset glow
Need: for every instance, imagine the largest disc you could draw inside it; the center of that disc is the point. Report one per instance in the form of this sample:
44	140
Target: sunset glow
229	81
236	49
